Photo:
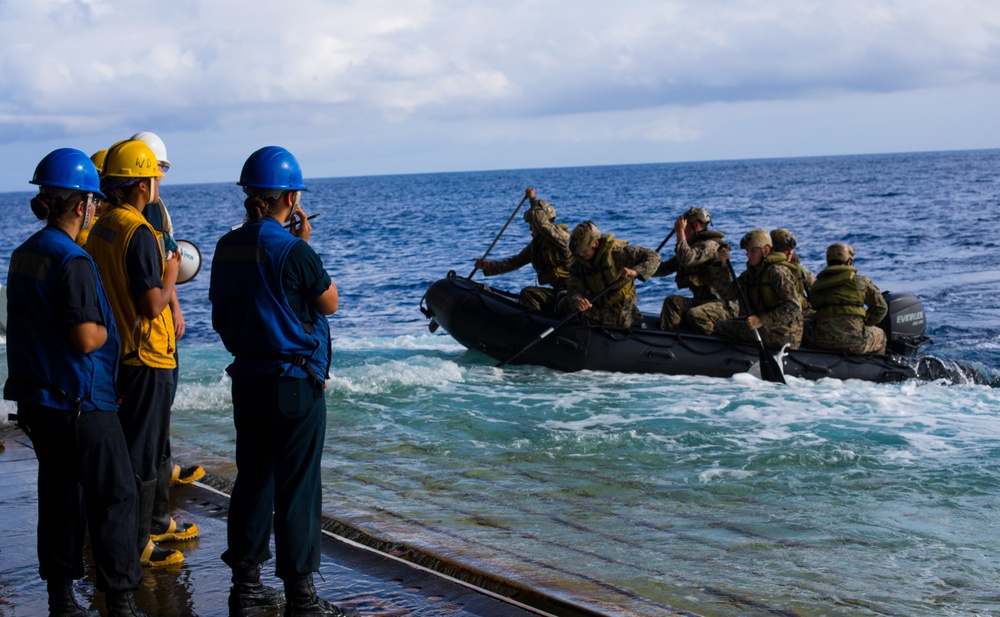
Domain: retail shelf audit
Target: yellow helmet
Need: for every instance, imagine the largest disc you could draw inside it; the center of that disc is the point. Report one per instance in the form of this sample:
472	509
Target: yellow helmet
97	159
131	158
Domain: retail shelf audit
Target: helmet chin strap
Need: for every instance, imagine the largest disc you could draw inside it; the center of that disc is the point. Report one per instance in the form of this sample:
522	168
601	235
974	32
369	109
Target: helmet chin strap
88	212
153	192
296	200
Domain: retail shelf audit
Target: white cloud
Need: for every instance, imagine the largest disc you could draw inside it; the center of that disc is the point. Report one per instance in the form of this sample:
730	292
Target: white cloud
590	72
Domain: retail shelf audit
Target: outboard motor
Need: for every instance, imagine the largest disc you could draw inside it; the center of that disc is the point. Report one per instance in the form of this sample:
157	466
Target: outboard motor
904	324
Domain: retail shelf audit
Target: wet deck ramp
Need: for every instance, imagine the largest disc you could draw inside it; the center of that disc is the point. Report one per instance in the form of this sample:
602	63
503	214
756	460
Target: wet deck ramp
357	569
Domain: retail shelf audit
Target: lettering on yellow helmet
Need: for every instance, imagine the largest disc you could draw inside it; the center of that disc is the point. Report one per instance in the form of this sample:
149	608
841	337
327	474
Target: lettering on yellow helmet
142	162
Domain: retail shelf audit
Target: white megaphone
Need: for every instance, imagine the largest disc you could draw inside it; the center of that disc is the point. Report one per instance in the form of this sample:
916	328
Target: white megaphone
190	261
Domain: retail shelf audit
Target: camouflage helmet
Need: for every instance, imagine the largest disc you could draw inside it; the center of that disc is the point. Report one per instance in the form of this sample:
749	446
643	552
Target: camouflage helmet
755	238
697	214
783	240
583	237
539	213
839	251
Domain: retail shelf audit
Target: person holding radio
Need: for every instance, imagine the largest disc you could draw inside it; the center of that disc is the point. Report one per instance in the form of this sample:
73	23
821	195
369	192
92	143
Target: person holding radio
271	296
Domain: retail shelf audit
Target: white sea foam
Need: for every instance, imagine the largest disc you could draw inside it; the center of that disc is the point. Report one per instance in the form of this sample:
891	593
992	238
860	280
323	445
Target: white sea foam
428	342
205	396
379	378
903	422
598	423
718	473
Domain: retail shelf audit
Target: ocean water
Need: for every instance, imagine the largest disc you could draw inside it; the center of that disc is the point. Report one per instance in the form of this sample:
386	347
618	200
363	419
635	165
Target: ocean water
645	494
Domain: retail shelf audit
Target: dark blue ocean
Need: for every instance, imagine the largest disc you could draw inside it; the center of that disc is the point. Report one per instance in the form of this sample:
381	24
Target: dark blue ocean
644	494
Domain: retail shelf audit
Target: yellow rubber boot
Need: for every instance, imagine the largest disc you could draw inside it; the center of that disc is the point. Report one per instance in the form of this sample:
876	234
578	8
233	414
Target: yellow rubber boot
175	532
186	475
155	557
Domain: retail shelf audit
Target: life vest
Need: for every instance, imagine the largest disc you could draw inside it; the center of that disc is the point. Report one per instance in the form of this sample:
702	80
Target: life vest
251	313
551	261
44	367
799	273
836	292
706	274
601	271
144	341
757	283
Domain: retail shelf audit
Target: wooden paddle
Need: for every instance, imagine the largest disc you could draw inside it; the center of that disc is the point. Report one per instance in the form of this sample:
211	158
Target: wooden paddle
769	369
560	323
502	229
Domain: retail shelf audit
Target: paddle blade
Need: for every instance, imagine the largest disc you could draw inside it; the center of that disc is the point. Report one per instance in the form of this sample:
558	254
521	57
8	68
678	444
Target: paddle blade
769	368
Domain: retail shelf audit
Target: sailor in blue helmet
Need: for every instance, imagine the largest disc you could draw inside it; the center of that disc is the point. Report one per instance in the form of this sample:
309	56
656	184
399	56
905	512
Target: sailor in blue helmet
270	297
62	354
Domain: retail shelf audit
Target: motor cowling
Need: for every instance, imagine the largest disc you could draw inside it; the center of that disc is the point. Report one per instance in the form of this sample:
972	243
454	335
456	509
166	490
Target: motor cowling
905	324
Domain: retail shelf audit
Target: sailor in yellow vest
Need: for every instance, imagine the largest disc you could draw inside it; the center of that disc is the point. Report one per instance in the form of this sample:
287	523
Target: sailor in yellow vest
159	217
599	263
840	296
139	279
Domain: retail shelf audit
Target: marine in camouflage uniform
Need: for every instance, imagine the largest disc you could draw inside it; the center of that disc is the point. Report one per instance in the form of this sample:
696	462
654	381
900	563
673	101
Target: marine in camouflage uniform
698	267
769	287
600	261
840	296
548	252
785	242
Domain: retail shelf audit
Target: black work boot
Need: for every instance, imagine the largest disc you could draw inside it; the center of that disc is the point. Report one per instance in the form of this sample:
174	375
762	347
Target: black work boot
249	597
303	601
62	602
122	604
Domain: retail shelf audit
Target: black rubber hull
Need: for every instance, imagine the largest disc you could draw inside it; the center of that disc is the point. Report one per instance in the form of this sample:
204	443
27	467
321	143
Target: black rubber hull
492	322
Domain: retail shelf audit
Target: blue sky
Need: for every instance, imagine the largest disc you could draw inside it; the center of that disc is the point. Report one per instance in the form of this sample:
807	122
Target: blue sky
409	86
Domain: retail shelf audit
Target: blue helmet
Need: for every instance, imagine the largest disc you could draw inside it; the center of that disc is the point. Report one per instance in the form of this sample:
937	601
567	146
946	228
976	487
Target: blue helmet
272	167
68	168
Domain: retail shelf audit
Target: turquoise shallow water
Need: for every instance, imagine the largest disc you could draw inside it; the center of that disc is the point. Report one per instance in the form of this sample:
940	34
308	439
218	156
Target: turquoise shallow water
640	494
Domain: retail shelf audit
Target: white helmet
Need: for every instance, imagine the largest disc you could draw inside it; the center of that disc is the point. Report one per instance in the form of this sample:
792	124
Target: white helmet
155	144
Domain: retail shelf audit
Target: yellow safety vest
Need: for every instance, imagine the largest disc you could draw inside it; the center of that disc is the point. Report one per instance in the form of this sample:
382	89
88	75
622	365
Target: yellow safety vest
144	342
